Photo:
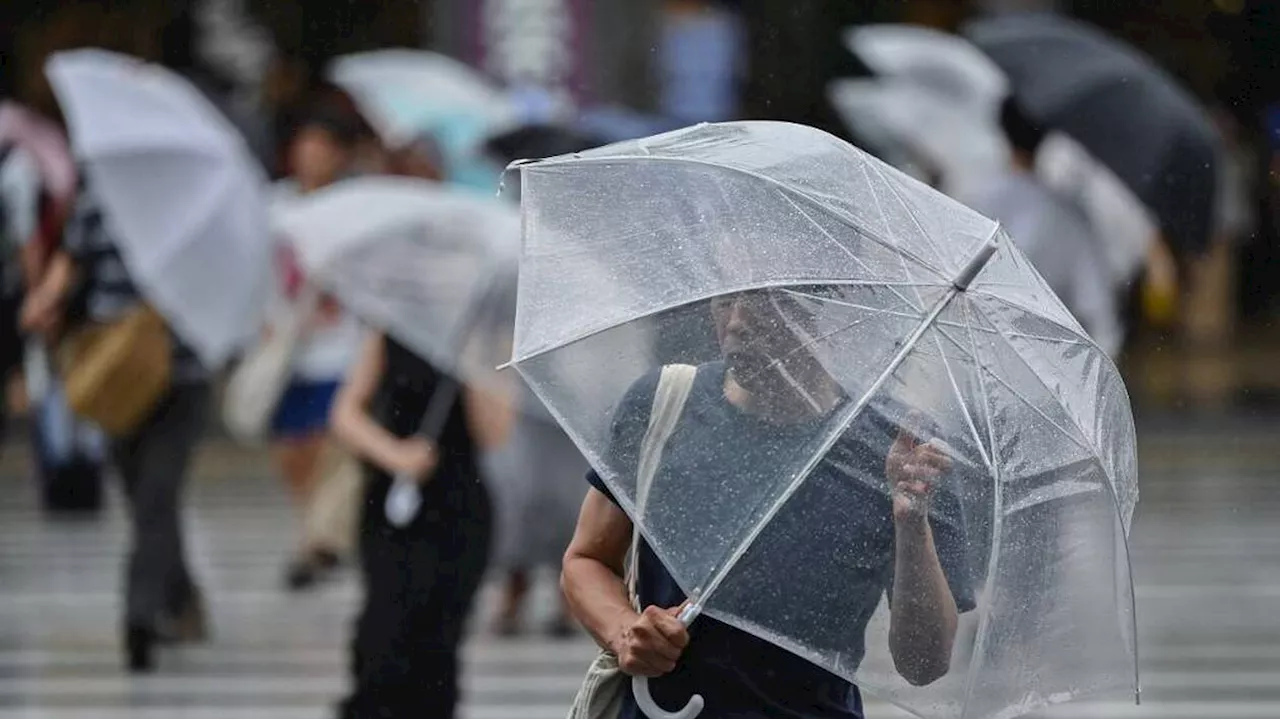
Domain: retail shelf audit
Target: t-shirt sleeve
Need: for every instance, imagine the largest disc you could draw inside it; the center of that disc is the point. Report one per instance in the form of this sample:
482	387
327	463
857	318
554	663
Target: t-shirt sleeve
626	431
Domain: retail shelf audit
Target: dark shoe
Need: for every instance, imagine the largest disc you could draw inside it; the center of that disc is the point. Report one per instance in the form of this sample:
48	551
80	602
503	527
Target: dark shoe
189	625
139	643
327	559
308	570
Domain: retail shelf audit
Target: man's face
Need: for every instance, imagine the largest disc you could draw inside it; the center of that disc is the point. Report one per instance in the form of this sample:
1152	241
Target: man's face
754	334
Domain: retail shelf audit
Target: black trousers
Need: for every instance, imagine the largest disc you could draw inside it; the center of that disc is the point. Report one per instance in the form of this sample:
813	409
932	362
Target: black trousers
153	465
419	582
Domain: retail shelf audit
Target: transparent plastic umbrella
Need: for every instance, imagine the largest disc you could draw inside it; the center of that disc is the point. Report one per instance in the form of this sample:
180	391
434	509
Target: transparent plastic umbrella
833	308
431	266
181	188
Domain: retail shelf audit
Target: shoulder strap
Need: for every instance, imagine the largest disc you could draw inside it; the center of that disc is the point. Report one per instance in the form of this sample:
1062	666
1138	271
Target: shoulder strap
673	389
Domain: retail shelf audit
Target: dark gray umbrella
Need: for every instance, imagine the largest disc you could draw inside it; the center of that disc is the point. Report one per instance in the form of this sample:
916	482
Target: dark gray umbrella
537	141
1125	110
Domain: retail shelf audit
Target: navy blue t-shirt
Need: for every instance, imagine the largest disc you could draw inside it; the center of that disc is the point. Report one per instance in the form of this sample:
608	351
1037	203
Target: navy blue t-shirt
740	675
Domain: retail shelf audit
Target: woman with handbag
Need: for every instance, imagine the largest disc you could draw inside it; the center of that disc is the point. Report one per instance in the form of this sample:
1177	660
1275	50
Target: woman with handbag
124	369
420	579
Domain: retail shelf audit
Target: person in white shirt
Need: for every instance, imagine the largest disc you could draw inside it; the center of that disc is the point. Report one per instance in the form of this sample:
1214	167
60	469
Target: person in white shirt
1052	231
322	151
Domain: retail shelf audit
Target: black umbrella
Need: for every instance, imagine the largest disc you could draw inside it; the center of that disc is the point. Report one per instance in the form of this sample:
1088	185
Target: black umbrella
1125	110
533	142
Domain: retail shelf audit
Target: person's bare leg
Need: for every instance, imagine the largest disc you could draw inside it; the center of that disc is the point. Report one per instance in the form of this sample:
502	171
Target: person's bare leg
514	591
298	460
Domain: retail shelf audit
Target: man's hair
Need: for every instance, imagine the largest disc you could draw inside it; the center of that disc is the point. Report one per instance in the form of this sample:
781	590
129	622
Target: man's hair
1024	133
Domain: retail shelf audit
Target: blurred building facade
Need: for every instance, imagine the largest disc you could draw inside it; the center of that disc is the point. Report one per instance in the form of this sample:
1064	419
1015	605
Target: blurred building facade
584	51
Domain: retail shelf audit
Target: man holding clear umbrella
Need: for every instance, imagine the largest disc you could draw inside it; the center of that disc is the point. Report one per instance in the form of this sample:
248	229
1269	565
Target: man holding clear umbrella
763	394
861	318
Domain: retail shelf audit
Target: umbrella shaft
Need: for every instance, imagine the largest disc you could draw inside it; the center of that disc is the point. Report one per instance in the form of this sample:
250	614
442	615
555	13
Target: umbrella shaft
438	408
690	613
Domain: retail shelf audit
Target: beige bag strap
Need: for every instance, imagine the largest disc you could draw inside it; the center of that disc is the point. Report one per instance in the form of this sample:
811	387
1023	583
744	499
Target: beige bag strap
673	389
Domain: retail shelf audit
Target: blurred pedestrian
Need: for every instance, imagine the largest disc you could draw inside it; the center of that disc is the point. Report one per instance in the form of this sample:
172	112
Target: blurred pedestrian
13	189
419	579
1051	231
86	286
322	151
37	189
1209	319
535	474
422	158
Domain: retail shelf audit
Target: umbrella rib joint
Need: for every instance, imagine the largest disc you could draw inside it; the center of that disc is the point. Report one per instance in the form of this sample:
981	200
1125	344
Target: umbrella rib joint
699	597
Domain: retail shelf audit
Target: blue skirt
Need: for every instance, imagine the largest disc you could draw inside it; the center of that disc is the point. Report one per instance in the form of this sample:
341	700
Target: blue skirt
304	409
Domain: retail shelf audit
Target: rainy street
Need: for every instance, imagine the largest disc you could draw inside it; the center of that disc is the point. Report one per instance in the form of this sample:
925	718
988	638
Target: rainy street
1206	552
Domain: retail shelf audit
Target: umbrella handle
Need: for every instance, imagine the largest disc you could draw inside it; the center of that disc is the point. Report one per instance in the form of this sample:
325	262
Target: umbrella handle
650	708
404	499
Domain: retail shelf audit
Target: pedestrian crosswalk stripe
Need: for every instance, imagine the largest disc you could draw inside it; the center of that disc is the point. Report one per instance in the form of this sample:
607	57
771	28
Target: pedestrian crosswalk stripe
1207	568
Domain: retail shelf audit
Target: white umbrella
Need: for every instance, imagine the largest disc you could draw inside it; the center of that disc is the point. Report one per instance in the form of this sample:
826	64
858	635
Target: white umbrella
1121	221
406	93
944	63
900	114
433	267
180	189
413	258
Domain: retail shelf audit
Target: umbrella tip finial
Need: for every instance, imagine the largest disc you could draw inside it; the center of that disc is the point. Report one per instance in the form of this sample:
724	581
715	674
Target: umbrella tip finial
977	262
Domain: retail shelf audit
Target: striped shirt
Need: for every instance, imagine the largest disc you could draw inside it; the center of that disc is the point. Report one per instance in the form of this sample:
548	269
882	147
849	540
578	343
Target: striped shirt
107	291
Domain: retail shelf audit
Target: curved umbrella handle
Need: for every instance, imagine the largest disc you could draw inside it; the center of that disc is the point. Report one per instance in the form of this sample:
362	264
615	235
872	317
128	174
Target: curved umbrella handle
403	501
650	708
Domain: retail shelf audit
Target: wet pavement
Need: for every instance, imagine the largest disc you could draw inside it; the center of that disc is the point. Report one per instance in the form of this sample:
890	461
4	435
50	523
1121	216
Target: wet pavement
1206	547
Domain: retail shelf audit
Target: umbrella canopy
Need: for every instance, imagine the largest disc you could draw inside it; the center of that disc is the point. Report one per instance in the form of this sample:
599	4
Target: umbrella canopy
966	149
932	59
183	193
433	267
407	93
851	309
1129	114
